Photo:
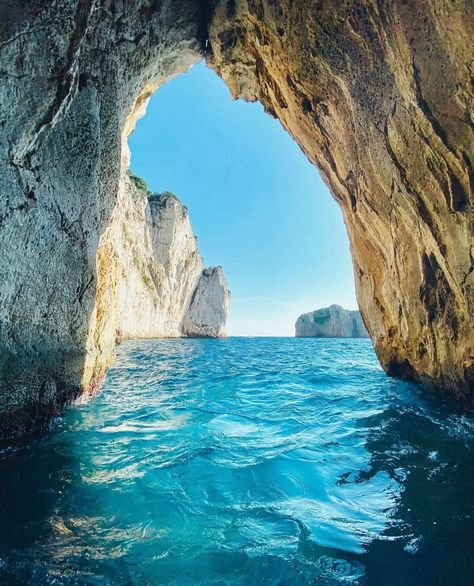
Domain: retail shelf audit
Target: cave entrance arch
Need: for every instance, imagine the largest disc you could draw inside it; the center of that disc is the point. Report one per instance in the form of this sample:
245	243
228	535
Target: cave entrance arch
378	97
258	208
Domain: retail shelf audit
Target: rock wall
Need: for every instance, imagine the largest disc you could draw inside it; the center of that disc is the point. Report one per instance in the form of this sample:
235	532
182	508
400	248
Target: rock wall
331	322
377	94
75	76
379	97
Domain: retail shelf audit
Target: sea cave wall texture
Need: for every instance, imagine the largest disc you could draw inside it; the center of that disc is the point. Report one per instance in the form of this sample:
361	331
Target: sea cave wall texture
377	94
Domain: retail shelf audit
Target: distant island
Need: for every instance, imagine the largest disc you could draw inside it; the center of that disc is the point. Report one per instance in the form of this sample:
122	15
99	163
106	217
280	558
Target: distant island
331	322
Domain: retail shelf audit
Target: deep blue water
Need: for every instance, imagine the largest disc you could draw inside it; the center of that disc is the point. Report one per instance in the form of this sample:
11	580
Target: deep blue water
244	462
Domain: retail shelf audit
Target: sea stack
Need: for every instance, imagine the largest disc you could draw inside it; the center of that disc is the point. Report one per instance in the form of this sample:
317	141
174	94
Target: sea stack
207	311
331	322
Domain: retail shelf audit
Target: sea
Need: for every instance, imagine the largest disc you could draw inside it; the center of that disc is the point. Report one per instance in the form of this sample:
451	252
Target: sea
243	461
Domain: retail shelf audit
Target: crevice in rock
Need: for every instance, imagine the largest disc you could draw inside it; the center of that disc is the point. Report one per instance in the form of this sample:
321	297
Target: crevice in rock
401	369
28	31
205	13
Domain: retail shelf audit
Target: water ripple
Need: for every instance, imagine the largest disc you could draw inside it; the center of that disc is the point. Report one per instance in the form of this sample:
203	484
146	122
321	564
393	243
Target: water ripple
244	462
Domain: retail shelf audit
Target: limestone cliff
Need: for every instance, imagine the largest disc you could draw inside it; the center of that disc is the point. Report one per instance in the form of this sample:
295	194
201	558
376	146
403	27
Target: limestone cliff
208	307
377	94
163	288
331	322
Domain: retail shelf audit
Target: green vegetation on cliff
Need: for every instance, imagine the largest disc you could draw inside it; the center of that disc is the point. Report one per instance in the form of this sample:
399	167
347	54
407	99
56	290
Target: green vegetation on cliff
139	183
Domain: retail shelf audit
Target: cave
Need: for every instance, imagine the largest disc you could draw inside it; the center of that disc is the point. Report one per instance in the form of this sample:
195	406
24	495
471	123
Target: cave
377	95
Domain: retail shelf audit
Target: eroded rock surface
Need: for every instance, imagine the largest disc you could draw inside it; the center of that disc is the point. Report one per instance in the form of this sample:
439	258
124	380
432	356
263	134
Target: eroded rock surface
331	322
74	77
377	94
379	97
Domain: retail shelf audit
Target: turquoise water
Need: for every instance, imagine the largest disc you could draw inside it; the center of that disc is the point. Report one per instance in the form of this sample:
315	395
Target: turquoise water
243	462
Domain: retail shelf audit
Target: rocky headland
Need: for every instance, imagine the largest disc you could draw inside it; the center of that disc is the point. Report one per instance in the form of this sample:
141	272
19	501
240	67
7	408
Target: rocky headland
331	322
163	289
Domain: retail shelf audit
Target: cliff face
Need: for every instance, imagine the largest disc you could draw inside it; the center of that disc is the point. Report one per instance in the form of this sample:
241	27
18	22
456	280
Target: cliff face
163	288
377	94
159	263
331	322
379	97
209	304
74	77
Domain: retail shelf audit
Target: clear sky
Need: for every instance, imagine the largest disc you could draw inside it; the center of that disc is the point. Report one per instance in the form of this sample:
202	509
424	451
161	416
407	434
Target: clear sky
258	208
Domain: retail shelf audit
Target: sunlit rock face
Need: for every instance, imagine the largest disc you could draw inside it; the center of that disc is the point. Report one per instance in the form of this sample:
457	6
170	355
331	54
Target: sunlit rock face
378	96
163	288
209	305
331	322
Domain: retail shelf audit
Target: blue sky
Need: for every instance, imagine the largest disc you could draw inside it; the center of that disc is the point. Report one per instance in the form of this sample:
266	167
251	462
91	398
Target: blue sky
258	208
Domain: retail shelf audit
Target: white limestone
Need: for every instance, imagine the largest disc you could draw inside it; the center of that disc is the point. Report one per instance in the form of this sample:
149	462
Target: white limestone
331	322
206	316
163	289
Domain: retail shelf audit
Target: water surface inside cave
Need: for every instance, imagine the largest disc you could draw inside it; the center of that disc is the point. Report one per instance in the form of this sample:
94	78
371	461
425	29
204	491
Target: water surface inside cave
243	461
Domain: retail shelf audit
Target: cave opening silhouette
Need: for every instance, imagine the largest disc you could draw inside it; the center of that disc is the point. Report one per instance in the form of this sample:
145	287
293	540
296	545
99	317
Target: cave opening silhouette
257	206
